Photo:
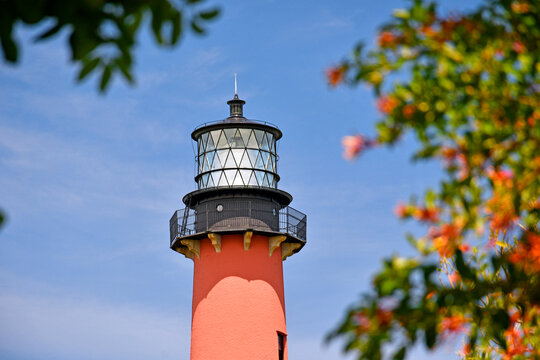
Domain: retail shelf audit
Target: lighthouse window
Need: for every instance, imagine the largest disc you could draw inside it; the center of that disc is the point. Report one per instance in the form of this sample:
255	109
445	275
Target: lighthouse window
219	208
281	345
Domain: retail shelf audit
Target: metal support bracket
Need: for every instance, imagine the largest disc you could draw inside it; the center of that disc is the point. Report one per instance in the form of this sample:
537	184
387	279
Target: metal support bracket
275	241
247	239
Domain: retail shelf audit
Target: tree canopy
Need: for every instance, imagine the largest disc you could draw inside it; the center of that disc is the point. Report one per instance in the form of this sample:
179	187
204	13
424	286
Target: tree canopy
466	85
102	33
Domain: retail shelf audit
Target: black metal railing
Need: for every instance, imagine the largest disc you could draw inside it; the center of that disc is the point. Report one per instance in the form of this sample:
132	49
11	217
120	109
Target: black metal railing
246	215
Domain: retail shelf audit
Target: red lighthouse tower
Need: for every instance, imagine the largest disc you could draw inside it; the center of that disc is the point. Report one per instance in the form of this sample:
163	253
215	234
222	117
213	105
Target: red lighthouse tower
237	228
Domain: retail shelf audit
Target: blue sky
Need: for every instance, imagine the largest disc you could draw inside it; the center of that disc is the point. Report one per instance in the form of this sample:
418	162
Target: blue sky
89	182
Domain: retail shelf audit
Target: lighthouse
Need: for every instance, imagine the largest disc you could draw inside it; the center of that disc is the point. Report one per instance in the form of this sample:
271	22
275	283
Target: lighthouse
238	228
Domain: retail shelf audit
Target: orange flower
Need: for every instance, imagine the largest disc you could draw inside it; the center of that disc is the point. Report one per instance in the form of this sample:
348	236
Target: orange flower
352	145
387	39
430	214
453	278
428	31
444	239
363	322
518	47
451	325
387	104
527	253
464	247
401	210
384	317
335	75
520	8
501	177
514	343
501	208
408	111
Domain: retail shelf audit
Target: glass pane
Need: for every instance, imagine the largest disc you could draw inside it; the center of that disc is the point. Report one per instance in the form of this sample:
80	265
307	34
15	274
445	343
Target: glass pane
260	176
259	134
229	163
199	164
270	166
203	140
259	163
238	179
223	180
253	179
214	179
204	180
265	156
222	142
221	156
252	142
229	134
210	158
252	154
230	175
245	160
245	175
205	166
237	154
245	135
271	142
265	180
264	143
237	142
213	139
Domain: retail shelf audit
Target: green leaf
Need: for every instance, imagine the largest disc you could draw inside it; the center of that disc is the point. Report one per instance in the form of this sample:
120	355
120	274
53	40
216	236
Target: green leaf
52	30
105	78
400	354
9	47
210	14
88	67
195	27
431	334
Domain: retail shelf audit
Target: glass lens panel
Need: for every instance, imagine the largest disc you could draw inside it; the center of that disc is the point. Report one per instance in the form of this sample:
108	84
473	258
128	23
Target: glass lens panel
237	142
229	135
265	180
260	177
253	179
214	178
230	174
252	154
211	181
237	155
264	142
223	180
210	158
245	135
229	163
265	156
203	140
222	156
222	142
245	175
252	142
259	134
245	160
271	142
213	139
238	179
259	162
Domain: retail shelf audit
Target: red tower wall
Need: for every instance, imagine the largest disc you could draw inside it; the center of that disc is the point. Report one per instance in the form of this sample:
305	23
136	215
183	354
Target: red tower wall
238	301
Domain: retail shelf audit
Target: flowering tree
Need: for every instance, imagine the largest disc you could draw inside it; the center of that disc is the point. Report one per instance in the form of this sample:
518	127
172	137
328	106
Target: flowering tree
471	98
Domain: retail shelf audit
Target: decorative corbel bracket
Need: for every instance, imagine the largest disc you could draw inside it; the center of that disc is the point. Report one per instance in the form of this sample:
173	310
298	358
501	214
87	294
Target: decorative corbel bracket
247	239
274	242
216	241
